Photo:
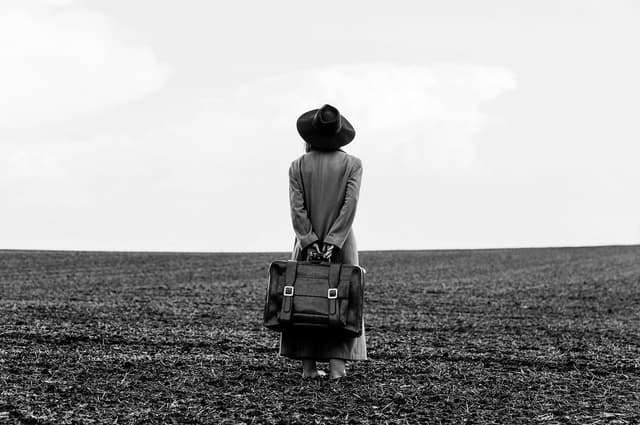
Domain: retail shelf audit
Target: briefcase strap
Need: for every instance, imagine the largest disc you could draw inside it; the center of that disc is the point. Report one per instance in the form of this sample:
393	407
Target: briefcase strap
332	294
289	288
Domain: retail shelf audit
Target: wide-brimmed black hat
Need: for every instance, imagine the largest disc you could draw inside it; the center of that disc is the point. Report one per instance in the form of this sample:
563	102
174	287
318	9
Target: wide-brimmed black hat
325	128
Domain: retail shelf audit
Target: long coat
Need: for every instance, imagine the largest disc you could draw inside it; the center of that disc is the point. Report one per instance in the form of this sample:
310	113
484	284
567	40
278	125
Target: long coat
323	194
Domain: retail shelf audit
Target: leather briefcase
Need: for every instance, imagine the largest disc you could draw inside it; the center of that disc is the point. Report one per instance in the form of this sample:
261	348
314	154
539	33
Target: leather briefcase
315	296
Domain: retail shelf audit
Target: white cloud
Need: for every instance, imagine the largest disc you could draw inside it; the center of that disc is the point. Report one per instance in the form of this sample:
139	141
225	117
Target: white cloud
34	4
424	117
416	113
59	63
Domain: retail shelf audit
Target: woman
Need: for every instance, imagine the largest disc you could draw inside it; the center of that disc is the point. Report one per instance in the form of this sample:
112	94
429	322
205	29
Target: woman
324	185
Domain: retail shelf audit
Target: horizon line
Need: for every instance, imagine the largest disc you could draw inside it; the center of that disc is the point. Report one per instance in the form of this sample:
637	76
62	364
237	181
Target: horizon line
35	250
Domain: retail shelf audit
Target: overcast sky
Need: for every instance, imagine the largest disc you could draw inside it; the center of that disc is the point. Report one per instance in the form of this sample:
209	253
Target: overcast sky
170	126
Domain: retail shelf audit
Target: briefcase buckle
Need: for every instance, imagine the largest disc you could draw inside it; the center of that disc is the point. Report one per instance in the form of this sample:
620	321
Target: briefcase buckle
332	293
288	291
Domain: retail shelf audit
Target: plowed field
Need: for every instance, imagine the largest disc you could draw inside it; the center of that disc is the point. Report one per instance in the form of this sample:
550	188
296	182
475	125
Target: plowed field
538	336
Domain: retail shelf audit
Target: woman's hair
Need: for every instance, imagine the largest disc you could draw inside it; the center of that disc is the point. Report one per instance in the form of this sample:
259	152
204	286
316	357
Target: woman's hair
308	148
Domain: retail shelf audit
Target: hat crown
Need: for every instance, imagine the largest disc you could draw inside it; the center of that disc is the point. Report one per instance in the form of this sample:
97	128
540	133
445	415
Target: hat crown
325	128
327	120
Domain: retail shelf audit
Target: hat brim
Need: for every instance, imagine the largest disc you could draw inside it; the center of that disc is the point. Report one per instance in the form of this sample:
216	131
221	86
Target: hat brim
311	135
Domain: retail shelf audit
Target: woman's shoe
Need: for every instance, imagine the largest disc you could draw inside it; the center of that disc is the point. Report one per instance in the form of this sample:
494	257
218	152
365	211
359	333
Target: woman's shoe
316	374
338	375
337	368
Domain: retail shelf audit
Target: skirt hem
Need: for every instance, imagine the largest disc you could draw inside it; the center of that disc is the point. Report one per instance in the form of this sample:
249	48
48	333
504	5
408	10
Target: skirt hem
322	359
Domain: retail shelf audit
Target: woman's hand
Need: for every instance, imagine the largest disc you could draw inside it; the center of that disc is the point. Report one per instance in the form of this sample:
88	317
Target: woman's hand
327	250
312	250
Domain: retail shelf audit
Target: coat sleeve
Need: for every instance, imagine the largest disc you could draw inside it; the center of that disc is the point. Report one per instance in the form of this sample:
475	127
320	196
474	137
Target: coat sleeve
299	215
342	225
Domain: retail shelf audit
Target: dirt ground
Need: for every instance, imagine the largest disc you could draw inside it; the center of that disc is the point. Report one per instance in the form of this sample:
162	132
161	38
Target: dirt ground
538	336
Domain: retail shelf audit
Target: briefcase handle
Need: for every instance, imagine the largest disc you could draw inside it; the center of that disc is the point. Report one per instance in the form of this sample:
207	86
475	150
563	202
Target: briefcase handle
312	257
